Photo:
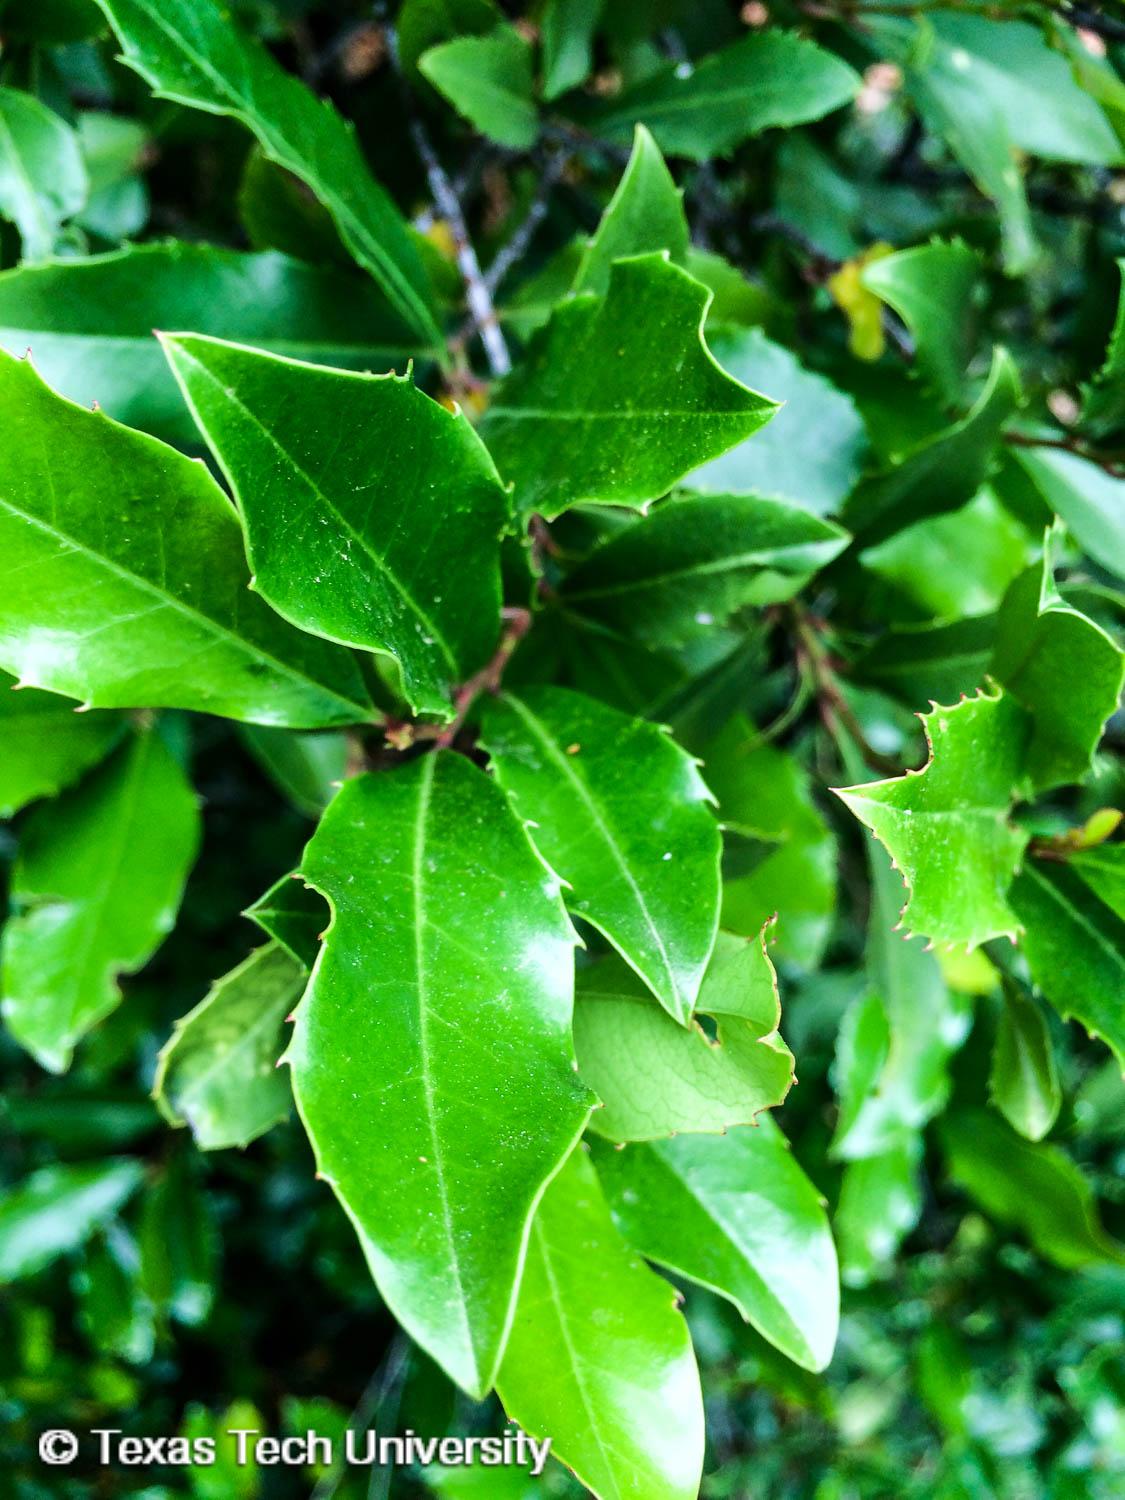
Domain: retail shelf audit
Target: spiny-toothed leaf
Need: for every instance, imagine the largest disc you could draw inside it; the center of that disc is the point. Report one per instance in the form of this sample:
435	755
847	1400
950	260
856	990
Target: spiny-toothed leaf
95	889
488	80
218	1072
55	1210
618	397
1103	399
432	1059
737	1214
1089	502
406	562
880	1203
295	915
43	179
655	1078
192	51
47	744
89	322
694	560
933	289
123	580
599	1359
646	213
946	826
620	812
1023	1082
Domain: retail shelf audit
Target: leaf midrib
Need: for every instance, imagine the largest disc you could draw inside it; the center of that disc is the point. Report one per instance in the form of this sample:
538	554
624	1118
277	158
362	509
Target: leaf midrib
766	557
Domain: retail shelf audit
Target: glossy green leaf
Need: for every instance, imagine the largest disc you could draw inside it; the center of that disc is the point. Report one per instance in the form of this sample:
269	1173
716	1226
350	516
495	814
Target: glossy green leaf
706	109
153	611
591	414
655	1078
488	81
936	662
46	743
55	1210
189	51
295	915
1024	1083
1089	502
568	34
439	1113
810	453
737	1214
43	178
413	572
422	24
645	214
1103	399
218	1072
933	289
307	768
880	1203
946	826
96	887
620	812
694	560
89	322
599	1359
1102	868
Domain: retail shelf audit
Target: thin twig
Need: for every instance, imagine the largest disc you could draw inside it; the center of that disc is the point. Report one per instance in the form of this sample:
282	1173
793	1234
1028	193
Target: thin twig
508	255
488	679
1112	461
814	658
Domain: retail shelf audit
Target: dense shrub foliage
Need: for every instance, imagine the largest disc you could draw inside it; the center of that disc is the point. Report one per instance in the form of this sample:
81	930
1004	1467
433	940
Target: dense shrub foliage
562	570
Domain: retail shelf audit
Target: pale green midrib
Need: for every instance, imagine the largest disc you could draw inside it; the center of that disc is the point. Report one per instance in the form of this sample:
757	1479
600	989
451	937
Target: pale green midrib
1075	914
383	568
145	585
586	796
766	557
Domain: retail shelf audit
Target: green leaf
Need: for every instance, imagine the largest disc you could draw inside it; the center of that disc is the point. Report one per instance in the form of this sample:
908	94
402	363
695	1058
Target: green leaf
1023	1083
936	662
933	289
590	414
810	453
96	887
1065	671
880	1203
416	572
47	744
620	812
55	1210
1089	502
944	470
708	108
1031	1186
115	1314
89	322
694	560
946	826
567	29
655	1078
1103	869
1103	399
737	1214
646	213
218	1072
307	768
52	22
179	1245
153	611
422	24
463	1073
488	80
191	52
295	915
43	178
599	1360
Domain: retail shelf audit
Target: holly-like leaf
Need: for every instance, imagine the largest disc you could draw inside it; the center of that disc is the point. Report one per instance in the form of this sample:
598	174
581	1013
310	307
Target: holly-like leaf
618	397
599	1360
47	744
708	108
620	812
89	322
95	888
1089	502
1103	399
694	560
431	1054
153	610
655	1078
933	289
1023	1082
488	80
55	1210
646	213
43	179
880	1203
295	915
192	52
218	1072
946	826
409	561
737	1214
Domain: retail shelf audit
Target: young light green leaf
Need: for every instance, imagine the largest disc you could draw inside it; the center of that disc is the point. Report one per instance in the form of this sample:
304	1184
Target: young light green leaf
1089	502
43	178
218	1072
590	414
1103	399
707	109
89	322
192	52
55	1210
933	289
47	744
306	767
95	888
1023	1083
946	826
295	915
152	610
880	1203
646	213
463	1071
737	1214
655	1078
599	1360
488	81
408	562
620	812
567	29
